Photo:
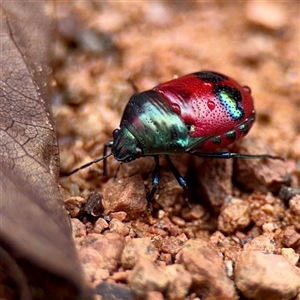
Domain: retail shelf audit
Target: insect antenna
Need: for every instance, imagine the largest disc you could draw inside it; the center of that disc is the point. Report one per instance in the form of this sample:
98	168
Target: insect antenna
90	163
133	85
228	155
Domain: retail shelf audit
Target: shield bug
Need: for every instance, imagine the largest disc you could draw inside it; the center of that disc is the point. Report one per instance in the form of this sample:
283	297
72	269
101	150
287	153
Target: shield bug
194	114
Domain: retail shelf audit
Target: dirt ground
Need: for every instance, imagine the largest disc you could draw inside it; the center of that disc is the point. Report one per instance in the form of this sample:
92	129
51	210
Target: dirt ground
243	230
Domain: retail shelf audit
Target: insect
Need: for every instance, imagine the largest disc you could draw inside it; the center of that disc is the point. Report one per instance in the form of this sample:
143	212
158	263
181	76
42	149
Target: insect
193	114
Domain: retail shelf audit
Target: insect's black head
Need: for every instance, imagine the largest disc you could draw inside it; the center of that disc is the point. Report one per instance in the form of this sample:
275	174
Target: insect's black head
125	146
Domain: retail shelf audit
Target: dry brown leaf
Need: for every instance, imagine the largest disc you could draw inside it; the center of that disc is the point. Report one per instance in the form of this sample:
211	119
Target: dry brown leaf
37	254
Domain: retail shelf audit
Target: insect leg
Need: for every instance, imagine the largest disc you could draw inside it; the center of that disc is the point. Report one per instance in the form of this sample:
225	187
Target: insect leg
106	146
228	155
117	171
155	181
180	180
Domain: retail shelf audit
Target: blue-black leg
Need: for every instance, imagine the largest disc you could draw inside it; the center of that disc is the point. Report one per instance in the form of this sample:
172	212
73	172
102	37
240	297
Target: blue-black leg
155	182
180	179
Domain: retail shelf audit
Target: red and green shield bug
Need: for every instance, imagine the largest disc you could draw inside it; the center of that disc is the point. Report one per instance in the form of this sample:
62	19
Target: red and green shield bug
193	114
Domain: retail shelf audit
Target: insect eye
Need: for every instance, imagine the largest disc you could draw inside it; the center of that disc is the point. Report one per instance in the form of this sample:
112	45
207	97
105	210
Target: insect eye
138	153
115	132
190	127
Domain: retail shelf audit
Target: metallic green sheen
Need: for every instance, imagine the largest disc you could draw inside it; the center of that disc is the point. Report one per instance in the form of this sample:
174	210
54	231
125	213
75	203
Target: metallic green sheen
150	127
